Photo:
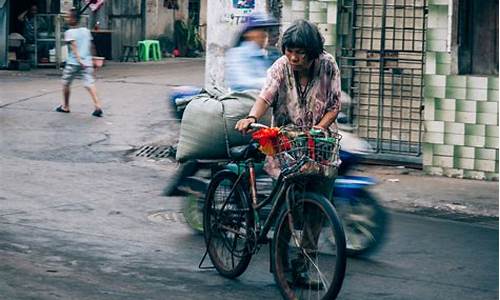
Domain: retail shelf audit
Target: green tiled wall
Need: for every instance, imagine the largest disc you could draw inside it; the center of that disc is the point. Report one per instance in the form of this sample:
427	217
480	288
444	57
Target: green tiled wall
461	112
323	13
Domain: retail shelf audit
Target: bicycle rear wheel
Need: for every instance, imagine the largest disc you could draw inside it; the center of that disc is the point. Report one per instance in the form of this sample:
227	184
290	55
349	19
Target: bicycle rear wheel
306	264
227	223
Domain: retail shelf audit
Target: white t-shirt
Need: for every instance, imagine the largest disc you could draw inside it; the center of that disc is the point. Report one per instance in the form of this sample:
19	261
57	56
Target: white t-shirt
83	40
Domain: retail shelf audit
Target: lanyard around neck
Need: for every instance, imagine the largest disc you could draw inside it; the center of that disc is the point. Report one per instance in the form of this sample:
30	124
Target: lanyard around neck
302	92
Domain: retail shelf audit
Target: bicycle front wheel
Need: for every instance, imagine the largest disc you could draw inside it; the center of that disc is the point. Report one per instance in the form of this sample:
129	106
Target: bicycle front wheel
227	225
306	264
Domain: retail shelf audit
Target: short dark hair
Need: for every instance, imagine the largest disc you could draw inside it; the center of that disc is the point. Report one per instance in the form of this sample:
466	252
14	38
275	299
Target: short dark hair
74	13
305	35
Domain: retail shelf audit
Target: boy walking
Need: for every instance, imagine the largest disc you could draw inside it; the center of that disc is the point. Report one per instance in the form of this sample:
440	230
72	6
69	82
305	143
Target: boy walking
79	63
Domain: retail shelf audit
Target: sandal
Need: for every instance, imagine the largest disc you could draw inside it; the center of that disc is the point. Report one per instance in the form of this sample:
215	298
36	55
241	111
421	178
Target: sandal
61	110
97	113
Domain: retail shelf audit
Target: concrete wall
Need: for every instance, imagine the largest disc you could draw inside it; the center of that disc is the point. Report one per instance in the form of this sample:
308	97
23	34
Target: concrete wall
461	111
160	20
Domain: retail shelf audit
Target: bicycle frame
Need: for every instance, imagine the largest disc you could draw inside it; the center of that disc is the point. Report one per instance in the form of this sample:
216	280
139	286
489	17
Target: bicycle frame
284	184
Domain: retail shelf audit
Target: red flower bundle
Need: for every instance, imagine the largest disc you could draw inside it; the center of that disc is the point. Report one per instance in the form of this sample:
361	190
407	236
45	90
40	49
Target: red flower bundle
266	138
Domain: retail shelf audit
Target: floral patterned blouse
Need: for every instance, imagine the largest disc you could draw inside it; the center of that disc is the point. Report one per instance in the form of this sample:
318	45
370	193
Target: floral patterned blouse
323	95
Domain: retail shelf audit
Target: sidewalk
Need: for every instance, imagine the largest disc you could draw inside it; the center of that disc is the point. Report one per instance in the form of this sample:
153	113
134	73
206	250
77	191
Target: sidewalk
410	190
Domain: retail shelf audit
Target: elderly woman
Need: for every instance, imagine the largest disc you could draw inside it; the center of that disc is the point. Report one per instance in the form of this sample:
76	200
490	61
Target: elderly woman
303	88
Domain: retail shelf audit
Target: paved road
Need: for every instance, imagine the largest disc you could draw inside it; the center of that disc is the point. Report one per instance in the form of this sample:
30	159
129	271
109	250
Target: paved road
81	218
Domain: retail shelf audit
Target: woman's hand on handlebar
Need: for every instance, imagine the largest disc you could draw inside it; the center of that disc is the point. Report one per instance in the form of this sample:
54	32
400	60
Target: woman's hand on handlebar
243	125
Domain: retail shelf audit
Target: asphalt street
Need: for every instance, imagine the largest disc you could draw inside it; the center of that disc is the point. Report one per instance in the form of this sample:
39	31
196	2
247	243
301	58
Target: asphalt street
82	218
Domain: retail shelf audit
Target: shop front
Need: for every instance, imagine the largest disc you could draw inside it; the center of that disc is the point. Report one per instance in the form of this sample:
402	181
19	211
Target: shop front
31	34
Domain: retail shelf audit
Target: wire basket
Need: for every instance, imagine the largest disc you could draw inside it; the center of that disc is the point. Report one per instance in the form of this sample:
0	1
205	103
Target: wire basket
316	150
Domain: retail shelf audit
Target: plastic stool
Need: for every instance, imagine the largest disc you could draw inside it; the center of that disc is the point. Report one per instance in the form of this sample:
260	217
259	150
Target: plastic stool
149	46
128	52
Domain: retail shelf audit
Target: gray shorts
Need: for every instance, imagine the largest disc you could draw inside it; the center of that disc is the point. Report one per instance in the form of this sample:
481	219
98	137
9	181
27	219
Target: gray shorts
70	72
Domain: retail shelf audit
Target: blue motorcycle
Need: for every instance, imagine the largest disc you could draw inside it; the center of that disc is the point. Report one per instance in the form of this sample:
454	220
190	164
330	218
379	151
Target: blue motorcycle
365	221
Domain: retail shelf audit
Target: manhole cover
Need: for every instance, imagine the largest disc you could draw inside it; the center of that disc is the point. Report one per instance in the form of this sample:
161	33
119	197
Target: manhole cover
155	151
167	216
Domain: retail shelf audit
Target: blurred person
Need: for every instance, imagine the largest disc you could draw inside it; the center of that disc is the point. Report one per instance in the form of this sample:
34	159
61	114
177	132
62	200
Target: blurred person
27	18
79	63
303	88
247	62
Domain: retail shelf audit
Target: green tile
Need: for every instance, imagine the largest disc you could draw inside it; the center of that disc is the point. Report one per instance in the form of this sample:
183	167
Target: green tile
454	139
442	161
435	80
484	165
443	150
434	137
454	173
465	117
452	127
477	94
455	93
464	152
488	119
488	154
443	69
493	95
430	63
427	150
491	142
438	2
434	126
445	115
434	92
429	109
438	16
443	57
436	45
463	163
474	140
487	107
466	106
456	81
445	104
491	130
474	82
475	129
493	83
436	34
492	176
434	171
479	175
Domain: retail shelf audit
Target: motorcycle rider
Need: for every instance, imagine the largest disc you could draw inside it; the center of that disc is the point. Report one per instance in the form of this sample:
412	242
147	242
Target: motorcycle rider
247	62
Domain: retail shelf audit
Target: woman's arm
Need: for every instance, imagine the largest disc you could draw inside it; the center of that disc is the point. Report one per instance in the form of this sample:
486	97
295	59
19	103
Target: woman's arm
328	119
333	102
258	110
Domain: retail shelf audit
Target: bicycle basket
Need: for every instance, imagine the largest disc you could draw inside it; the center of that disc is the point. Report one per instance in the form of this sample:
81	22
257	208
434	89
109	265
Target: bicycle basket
319	151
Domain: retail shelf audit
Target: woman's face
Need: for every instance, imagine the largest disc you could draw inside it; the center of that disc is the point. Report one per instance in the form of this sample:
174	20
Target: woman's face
297	58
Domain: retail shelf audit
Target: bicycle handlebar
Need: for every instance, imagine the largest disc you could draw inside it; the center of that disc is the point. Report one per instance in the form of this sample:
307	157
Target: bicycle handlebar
257	126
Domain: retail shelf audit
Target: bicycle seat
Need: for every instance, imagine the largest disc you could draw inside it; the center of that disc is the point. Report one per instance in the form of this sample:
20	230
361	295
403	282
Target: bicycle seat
245	151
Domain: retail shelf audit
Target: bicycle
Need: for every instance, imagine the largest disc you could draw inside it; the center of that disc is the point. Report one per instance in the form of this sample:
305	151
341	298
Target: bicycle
308	248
